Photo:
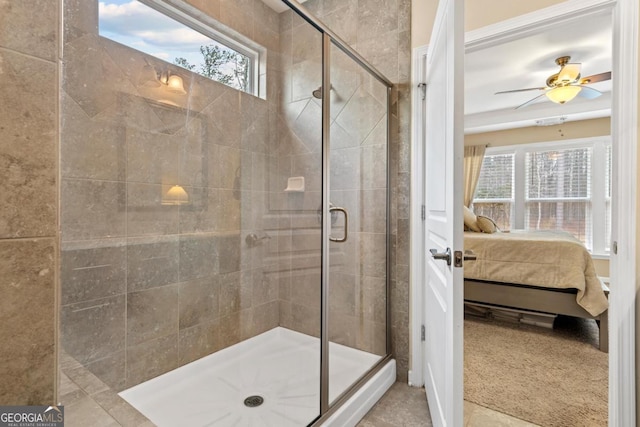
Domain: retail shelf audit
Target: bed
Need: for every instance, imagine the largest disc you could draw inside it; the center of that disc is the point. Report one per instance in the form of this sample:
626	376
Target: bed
541	271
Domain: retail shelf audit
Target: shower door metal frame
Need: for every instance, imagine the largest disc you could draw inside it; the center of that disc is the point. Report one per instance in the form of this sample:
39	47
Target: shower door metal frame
326	226
326	409
329	38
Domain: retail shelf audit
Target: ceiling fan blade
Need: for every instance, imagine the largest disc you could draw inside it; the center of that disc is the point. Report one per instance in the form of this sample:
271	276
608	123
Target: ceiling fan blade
569	73
596	78
589	92
521	90
531	101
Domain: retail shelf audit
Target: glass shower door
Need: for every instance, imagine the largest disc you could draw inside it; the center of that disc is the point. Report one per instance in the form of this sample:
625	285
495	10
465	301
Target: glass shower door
357	279
294	197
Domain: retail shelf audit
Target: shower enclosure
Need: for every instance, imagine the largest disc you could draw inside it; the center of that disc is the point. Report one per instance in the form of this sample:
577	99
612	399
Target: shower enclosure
225	240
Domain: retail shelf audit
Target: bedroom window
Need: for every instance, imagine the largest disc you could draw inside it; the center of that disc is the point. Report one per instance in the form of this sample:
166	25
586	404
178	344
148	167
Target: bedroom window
558	191
494	193
550	186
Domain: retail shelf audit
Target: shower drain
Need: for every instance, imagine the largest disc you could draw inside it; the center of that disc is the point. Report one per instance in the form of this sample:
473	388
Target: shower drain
253	401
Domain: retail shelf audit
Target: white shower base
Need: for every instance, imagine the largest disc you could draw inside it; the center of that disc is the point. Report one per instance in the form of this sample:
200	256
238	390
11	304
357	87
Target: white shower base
280	365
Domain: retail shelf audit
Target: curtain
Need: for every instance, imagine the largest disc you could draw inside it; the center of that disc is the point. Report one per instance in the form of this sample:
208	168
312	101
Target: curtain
473	156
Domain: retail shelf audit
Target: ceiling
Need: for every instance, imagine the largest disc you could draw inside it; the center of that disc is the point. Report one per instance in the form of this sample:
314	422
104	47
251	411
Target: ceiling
526	63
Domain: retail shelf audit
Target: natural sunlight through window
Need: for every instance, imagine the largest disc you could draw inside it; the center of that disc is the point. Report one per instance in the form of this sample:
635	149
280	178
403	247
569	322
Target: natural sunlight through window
494	193
550	186
558	191
155	28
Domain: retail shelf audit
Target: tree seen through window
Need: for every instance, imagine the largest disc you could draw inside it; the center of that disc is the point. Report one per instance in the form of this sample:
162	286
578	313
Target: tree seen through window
223	65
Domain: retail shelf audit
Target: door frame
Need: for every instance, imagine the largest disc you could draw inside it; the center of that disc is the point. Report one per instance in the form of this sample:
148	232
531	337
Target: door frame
624	133
417	254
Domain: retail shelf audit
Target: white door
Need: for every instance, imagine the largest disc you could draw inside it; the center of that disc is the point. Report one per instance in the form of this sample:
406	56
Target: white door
443	293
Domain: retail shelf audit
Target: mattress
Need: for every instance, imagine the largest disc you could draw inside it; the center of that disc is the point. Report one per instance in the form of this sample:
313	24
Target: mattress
548	259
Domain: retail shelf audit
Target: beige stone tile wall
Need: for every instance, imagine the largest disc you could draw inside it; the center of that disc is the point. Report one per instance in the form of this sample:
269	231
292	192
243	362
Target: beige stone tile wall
146	286
28	212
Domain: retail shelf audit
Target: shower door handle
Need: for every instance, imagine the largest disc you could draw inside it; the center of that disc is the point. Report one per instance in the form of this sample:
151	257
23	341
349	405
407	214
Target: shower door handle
346	224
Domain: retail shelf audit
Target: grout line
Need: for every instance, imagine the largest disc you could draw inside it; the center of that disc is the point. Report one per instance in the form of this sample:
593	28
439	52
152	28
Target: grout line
53	61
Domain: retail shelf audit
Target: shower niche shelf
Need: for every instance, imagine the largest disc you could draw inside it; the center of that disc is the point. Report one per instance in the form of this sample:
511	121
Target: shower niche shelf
295	184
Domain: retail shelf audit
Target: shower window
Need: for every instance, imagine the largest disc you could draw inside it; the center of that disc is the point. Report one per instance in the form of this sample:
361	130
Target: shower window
167	30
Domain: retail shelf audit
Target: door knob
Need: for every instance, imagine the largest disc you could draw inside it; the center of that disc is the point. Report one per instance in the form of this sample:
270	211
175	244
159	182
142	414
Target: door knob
446	255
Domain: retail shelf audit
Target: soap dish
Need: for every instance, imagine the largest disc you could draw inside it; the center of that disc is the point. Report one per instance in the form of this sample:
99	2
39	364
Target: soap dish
295	184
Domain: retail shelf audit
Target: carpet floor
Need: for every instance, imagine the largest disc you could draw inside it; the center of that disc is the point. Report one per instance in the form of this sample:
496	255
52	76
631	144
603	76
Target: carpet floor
547	377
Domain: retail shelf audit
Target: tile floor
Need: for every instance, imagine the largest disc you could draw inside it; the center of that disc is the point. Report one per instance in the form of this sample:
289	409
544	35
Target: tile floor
89	402
404	406
401	406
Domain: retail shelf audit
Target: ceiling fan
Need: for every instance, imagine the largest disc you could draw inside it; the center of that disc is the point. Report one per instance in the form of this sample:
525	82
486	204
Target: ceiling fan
566	84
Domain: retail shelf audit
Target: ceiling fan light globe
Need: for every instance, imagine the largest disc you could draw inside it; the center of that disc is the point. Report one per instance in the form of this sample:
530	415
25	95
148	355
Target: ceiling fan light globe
569	73
563	94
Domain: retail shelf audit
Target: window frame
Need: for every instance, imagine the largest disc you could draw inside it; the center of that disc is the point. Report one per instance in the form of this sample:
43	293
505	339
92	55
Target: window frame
598	182
195	19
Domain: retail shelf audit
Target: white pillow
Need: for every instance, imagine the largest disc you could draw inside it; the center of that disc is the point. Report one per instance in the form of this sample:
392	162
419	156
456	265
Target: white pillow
470	220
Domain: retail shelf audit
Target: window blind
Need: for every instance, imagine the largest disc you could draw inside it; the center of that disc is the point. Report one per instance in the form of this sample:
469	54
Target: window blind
558	191
495	190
